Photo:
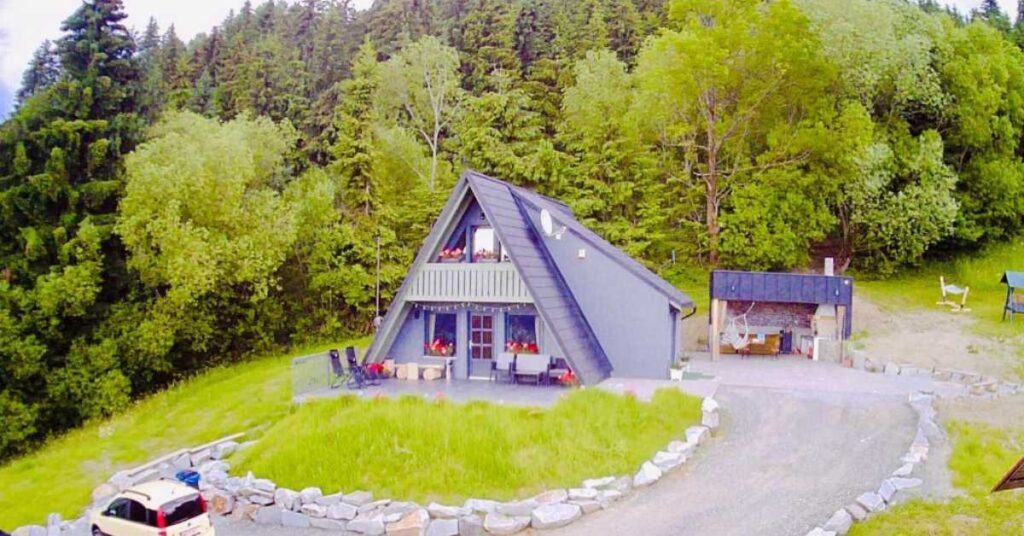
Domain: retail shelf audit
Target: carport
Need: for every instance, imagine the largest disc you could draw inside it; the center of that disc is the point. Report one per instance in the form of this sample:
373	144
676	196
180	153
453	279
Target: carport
771	313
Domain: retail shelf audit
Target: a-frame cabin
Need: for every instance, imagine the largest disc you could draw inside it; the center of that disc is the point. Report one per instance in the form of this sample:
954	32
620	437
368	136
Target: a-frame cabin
506	270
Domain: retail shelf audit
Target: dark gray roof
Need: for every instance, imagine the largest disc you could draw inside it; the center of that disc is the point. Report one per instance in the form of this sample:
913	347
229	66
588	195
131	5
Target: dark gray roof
674	295
735	285
551	296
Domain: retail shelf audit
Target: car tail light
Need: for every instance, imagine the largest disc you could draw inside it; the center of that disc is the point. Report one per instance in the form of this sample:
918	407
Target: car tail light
161	520
202	503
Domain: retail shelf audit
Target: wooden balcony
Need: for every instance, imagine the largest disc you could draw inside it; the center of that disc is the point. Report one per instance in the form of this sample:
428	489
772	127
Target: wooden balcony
469	282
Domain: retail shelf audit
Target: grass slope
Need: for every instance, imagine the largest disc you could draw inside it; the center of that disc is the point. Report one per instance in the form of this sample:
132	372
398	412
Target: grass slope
60	476
919	288
981	456
413	449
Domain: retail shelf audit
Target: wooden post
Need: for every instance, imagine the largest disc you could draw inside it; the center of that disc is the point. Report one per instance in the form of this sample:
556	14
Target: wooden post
714	329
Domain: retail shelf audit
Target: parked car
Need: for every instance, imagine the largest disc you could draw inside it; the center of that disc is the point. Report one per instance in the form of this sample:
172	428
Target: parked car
160	508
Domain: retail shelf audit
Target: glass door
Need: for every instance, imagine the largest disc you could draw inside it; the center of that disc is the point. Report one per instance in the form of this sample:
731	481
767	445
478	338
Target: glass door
481	345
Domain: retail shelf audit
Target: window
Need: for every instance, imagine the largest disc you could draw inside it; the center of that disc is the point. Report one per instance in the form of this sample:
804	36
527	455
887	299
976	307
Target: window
485	245
441	330
481	336
118	508
137	513
182	510
521	334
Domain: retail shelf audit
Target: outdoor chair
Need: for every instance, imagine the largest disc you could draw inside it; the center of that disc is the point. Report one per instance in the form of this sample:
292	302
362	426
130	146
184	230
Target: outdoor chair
338	374
357	371
501	368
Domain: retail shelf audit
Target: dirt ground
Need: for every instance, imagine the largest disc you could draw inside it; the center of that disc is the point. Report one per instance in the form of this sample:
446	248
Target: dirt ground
930	339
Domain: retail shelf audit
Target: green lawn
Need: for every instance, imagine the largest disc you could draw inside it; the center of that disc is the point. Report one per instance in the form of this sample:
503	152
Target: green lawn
414	449
919	288
60	476
981	456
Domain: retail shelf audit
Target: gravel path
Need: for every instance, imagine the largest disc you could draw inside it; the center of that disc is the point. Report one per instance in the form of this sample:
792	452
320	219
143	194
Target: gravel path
785	461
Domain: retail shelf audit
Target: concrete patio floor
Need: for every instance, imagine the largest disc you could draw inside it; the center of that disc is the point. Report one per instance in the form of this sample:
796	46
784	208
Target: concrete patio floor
508	393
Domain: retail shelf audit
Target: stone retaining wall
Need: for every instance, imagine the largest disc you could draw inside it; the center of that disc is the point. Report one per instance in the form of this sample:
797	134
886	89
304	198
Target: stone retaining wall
261	501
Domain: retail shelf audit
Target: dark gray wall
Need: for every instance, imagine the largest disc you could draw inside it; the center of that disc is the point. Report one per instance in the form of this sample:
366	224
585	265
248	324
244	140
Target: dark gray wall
631	320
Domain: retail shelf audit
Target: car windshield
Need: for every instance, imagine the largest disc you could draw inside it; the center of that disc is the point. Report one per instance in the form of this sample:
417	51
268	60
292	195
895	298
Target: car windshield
182	510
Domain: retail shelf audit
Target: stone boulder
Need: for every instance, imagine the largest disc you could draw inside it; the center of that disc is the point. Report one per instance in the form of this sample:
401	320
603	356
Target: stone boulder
696	434
358	498
413	523
269	515
223	450
840	522
482	506
496	523
328	500
647	475
599	482
818	531
327	524
370	525
551	516
871	501
314	510
343	511
622	485
588	506
709	413
294	520
471	525
286	498
517	508
443	527
441	511
309	495
887	491
681	447
904	470
221	502
857	512
577	494
555	496
668	460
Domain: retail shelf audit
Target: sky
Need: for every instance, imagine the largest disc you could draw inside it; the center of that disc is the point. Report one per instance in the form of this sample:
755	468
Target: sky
25	23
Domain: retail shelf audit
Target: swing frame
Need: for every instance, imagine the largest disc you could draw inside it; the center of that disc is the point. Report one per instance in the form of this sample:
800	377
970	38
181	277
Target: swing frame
954	307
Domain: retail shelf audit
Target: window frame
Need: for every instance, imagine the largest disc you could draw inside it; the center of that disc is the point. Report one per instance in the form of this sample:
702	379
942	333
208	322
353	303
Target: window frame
428	337
536	329
473	248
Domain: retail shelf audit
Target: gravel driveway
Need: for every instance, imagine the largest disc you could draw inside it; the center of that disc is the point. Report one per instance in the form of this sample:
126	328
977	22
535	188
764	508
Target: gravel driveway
785	461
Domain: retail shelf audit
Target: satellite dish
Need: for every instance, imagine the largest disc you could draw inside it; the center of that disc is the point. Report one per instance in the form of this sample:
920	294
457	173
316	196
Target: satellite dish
545	222
548	225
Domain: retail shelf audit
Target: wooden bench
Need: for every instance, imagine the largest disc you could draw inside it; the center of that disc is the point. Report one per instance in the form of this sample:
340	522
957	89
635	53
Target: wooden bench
534	365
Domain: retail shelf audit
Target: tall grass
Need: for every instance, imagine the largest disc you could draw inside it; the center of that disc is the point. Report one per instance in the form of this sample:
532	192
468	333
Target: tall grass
60	476
981	272
981	456
411	448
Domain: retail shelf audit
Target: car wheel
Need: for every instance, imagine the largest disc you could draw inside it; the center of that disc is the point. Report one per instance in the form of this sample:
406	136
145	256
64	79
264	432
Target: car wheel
97	532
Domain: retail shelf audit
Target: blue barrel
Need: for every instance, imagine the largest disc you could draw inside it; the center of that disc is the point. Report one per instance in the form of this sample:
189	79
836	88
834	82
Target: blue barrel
188	477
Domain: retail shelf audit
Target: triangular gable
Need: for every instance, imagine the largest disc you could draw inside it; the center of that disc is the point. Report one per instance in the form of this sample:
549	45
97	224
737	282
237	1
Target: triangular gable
552	297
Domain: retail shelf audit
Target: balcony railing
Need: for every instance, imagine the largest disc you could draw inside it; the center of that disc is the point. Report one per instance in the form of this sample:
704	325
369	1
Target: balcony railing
469	282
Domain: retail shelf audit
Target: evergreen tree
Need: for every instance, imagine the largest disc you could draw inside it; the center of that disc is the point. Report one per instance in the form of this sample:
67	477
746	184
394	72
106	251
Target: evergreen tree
43	70
60	178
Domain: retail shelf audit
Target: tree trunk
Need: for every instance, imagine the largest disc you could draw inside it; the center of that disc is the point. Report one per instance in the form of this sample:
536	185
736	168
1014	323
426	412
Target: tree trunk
711	208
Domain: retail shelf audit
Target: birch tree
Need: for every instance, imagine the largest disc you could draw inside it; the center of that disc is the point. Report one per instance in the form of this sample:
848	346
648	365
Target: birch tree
421	85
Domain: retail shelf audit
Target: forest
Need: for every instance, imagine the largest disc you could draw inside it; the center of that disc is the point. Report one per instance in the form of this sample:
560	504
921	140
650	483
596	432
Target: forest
167	206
